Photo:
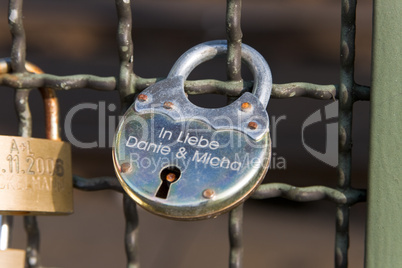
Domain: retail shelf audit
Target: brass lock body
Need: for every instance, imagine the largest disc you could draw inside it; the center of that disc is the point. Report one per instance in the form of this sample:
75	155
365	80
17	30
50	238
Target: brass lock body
36	174
12	258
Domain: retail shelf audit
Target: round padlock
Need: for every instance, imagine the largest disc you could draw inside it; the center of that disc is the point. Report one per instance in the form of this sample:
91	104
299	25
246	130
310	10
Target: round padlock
185	162
36	174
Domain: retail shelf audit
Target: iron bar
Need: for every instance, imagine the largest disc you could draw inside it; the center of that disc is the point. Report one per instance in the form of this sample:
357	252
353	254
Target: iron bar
310	193
192	87
234	38
33	241
236	237
361	93
58	82
125	86
30	222
264	191
17	62
96	184
233	72
23	112
125	46
347	57
18	48
131	236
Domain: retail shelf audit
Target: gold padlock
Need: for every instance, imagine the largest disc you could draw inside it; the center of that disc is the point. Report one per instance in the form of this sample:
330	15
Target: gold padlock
12	258
9	258
36	174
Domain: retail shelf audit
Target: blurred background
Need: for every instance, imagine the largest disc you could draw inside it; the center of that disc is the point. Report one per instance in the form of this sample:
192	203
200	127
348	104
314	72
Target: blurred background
299	40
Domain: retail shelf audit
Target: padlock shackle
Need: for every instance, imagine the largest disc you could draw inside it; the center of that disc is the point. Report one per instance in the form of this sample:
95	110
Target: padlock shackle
206	51
51	104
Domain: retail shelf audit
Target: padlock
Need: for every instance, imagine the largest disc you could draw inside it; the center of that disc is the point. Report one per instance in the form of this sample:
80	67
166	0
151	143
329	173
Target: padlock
185	162
36	174
9	258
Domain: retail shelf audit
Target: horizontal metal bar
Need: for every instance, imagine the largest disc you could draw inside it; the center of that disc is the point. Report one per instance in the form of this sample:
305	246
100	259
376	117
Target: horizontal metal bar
312	193
279	91
27	80
229	88
96	184
264	191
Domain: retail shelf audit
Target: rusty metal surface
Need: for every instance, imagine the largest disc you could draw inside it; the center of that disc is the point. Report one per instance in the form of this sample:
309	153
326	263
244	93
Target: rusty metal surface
128	83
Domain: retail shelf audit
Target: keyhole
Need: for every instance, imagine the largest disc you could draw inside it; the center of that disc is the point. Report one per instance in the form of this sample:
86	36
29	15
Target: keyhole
168	176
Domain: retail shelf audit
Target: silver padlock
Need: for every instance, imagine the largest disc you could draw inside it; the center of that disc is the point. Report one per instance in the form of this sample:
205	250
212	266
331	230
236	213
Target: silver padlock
185	162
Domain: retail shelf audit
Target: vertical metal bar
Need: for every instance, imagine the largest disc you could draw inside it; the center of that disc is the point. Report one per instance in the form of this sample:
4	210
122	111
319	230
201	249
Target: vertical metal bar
126	87
233	62
18	48
23	112
132	227
32	252
18	54
234	37
384	229
347	57
125	83
30	222
236	237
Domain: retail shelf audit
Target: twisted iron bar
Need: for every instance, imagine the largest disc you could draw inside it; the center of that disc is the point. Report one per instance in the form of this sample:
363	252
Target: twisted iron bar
132	232
267	190
347	84
125	86
308	194
233	73
18	48
17	62
125	80
33	241
229	88
234	38
236	237
97	184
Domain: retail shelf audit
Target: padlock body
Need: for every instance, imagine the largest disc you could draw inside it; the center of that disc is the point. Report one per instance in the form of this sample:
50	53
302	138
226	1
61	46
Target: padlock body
12	258
218	169
35	176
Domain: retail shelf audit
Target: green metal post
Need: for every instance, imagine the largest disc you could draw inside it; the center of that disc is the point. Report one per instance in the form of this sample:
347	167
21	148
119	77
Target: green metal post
384	224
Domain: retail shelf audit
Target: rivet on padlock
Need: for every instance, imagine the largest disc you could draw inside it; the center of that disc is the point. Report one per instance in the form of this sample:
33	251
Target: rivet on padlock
185	162
35	174
9	258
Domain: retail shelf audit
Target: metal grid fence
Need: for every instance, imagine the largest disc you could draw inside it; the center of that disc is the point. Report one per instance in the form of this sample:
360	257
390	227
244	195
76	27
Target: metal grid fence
127	83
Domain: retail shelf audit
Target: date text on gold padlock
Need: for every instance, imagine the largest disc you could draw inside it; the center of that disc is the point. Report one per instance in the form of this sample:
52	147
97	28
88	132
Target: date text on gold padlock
35	176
